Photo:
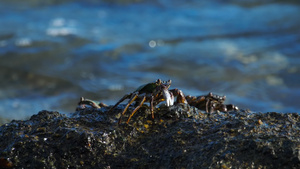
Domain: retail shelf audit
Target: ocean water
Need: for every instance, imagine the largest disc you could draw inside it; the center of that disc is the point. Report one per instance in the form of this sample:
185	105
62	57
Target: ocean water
52	53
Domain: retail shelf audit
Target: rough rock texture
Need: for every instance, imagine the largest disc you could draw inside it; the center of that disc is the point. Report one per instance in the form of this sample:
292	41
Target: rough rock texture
178	137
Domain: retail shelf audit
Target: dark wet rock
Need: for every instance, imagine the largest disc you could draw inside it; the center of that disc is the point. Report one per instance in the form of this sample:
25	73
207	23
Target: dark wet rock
178	137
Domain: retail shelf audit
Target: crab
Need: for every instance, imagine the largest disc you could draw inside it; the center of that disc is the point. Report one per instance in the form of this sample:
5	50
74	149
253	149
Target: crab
154	93
86	103
210	103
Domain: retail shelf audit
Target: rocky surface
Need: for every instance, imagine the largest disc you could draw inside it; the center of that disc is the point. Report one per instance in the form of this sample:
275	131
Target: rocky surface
178	137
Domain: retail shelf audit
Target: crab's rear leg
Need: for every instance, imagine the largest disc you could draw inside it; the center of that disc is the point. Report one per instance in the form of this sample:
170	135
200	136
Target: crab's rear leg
92	103
180	96
136	109
231	107
122	99
129	103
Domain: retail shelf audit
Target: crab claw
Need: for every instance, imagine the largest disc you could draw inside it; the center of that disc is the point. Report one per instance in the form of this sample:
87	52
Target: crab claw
169	97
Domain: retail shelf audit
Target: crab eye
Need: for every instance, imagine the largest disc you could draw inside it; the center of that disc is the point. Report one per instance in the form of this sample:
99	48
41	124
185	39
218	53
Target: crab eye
158	81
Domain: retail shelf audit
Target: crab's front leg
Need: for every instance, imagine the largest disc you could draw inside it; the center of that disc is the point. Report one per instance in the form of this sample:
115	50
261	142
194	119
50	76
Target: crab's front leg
162	94
151	106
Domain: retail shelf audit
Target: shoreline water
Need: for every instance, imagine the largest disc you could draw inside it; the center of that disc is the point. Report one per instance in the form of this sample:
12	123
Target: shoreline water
51	57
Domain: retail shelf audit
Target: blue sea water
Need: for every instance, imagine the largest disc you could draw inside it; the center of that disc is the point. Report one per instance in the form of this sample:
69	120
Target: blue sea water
52	53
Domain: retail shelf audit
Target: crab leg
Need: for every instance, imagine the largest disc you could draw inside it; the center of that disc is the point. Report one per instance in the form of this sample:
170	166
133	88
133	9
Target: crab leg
136	109
179	94
129	103
151	106
122	99
84	102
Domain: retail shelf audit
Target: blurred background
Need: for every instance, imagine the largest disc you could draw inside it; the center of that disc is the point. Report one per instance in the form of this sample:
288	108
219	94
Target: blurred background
53	52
